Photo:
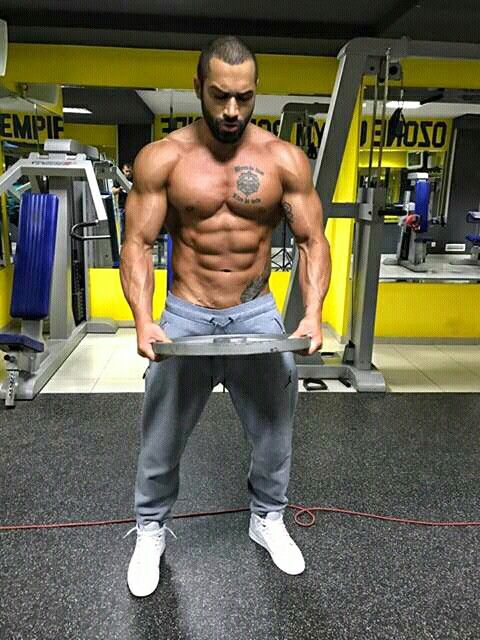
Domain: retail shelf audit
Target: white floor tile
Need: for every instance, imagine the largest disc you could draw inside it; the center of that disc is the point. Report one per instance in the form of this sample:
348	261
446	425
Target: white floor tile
109	363
386	357
404	387
64	385
84	364
399	372
119	385
125	364
98	341
441	369
467	356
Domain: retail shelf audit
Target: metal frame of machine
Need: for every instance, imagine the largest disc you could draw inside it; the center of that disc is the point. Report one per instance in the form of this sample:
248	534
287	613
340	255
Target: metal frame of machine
73	171
358	58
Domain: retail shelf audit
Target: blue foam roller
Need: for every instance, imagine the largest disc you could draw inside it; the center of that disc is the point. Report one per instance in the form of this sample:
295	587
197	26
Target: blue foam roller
34	256
422	198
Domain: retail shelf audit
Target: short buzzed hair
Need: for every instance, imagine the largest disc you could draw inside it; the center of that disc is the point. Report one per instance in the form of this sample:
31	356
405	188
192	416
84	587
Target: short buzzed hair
230	49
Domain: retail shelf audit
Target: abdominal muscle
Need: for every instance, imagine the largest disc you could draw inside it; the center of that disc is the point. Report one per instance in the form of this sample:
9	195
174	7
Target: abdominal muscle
221	268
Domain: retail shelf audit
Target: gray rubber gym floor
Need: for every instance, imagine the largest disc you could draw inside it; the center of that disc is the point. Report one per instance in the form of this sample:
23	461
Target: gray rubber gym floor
68	458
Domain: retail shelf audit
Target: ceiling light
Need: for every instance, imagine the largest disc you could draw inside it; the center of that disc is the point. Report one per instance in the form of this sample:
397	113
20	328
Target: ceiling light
75	110
406	104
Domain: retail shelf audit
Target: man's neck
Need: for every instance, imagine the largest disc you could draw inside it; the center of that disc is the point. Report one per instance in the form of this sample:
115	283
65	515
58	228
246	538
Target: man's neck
221	150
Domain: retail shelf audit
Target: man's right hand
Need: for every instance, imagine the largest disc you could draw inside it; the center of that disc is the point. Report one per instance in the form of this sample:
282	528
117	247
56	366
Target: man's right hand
147	334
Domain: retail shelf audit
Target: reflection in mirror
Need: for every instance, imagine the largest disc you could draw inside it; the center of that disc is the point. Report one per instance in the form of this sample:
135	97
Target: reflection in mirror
420	133
25	124
3	257
119	122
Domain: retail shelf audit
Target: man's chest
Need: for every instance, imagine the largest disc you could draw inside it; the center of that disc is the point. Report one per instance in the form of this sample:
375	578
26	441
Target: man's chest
249	187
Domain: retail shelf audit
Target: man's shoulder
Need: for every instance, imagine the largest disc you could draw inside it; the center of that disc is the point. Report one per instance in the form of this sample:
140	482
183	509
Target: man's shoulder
281	150
285	151
167	148
157	158
290	159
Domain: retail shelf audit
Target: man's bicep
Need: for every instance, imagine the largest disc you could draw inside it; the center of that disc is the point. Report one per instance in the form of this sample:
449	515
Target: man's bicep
146	206
300	204
303	213
145	214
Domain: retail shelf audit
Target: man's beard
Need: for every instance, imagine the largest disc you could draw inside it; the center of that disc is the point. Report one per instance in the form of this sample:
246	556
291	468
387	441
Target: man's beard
214	124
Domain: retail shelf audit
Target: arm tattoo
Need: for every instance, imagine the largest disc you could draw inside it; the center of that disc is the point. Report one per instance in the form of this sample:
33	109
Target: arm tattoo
255	287
287	211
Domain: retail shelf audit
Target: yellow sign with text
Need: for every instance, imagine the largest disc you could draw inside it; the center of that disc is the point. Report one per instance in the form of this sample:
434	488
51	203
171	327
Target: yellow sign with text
428	134
30	127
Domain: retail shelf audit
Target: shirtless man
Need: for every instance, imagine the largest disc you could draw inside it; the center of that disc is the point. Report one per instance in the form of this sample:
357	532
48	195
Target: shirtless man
220	186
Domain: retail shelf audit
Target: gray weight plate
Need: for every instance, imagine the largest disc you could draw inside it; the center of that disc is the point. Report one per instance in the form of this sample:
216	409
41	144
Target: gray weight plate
240	344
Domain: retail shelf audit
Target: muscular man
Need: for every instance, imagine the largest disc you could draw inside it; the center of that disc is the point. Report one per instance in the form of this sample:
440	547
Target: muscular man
220	186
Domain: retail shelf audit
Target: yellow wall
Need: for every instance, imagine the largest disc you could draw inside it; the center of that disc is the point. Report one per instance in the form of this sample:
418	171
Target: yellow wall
392	159
68	64
102	136
427	310
123	67
107	299
6	275
440	310
154	68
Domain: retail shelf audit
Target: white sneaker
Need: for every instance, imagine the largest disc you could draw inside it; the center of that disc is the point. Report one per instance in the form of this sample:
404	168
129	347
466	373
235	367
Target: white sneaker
270	533
144	568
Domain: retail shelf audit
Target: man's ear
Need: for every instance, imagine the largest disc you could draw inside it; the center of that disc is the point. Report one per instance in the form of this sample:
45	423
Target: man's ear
197	87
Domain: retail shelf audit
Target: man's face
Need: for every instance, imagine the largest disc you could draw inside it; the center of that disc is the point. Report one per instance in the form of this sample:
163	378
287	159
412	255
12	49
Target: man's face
228	98
127	171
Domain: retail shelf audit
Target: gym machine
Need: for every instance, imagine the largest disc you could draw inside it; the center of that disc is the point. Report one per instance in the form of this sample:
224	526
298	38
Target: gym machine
361	57
50	279
412	244
473	260
302	115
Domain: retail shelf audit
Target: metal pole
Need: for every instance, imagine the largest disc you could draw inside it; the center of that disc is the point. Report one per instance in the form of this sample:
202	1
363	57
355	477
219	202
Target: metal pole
374	117
384	106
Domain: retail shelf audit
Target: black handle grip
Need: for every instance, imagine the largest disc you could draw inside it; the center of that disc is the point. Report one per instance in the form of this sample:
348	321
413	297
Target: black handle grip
81	237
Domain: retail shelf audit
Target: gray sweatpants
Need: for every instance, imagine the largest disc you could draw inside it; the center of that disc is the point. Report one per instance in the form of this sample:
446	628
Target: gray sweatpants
263	389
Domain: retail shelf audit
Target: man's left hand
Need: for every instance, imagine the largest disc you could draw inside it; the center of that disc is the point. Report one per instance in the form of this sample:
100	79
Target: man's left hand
310	326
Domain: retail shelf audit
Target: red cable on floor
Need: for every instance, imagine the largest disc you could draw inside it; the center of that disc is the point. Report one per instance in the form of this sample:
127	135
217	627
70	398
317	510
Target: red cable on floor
300	512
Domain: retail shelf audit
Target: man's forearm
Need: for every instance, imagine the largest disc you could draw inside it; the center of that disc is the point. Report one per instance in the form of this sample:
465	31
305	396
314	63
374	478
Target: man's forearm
314	274
136	274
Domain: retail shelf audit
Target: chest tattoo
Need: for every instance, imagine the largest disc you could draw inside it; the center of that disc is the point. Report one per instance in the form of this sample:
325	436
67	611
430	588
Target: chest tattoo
249	180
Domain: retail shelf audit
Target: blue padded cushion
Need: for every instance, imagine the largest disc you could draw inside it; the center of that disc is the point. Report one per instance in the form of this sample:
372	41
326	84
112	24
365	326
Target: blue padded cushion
473	238
18	342
33	264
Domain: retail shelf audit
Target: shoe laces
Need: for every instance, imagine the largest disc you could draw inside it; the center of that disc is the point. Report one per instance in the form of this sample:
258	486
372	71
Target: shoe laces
278	530
148	542
156	535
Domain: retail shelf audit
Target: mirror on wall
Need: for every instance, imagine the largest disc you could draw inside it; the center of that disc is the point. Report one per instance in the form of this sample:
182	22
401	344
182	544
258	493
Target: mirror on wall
24	126
120	121
419	141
